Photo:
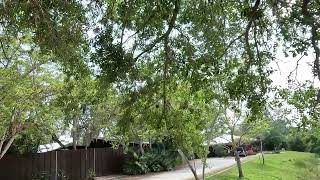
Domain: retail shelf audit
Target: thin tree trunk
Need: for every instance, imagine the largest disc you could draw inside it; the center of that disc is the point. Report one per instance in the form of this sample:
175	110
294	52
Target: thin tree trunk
204	167
150	144
141	147
237	158
74	134
194	172
87	138
261	152
1	143
6	147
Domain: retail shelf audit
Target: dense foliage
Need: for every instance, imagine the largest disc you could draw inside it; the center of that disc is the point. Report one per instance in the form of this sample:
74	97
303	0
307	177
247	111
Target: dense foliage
151	161
219	151
133	70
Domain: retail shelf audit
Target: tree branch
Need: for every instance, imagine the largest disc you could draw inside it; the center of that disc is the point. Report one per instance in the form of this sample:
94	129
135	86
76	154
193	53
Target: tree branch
165	72
316	50
2	141
12	138
189	165
142	27
5	149
253	17
56	139
4	54
230	44
296	68
166	34
310	20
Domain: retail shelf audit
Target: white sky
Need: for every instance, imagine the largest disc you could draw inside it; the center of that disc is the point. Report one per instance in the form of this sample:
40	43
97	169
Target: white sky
288	64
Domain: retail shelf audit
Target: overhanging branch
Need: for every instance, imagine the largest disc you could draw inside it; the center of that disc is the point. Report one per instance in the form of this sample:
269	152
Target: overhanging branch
166	34
253	17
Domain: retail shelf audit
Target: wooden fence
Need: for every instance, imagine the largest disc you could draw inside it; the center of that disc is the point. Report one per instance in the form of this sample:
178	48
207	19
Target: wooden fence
61	165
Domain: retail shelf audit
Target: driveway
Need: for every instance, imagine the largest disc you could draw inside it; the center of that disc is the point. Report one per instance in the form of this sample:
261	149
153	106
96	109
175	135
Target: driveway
214	165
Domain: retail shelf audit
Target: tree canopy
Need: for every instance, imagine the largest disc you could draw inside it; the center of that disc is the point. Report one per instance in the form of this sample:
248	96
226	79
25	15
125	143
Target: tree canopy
138	70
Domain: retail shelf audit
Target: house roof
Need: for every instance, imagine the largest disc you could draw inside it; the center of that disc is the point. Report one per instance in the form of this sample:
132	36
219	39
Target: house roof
223	139
54	146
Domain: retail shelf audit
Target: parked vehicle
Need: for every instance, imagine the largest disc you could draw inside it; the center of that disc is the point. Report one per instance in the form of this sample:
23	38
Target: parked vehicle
250	149
241	151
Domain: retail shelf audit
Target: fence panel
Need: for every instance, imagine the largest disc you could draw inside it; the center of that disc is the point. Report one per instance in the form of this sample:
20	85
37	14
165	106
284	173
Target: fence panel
53	165
82	164
74	164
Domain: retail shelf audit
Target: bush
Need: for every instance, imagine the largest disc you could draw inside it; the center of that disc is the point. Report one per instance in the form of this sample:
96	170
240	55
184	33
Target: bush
314	142
316	150
277	137
298	144
135	164
151	161
220	151
159	161
169	160
91	174
274	142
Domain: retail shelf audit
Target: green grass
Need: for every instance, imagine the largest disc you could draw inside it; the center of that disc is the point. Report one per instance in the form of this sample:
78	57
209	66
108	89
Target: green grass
285	166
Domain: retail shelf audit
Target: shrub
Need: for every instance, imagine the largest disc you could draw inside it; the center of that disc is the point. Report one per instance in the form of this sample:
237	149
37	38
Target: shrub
316	150
151	161
277	137
220	151
91	174
169	160
274	142
135	164
314	142
298	144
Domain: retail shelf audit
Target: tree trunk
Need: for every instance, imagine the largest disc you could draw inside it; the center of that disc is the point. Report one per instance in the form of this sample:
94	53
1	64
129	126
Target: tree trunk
204	162
141	147
237	158
6	147
236	155
150	144
87	138
1	143
261	152
194	172
74	134
12	138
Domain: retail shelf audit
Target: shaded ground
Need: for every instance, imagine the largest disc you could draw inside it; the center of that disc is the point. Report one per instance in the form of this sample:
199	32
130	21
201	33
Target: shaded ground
214	164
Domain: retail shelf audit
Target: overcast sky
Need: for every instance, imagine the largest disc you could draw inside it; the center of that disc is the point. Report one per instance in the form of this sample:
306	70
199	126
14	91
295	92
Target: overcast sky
288	64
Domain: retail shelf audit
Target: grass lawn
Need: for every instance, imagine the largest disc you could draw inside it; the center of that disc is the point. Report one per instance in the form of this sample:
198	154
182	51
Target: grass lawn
285	166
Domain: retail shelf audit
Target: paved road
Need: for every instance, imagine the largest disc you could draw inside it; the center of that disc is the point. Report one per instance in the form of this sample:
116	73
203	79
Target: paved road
214	164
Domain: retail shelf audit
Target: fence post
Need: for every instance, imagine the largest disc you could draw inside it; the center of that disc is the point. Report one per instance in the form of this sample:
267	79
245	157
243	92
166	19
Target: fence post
56	171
